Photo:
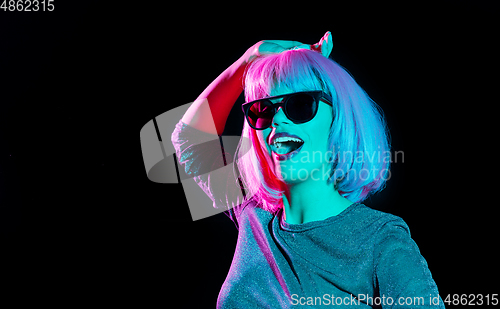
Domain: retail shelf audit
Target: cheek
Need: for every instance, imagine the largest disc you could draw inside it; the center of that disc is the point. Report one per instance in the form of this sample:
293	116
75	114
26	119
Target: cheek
318	131
323	125
262	136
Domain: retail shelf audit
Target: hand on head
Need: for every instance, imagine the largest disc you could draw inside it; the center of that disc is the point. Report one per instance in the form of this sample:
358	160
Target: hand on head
324	46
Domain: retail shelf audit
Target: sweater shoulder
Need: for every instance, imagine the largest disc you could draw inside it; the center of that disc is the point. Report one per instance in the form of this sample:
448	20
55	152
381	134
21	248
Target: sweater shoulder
371	219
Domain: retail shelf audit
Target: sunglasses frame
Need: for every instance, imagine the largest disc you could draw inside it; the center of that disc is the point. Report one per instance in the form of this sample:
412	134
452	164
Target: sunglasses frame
317	95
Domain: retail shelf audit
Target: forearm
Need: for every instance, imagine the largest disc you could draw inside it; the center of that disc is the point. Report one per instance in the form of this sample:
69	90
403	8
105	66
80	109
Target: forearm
212	107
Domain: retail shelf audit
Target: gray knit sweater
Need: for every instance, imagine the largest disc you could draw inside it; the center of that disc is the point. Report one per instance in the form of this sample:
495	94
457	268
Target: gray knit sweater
360	258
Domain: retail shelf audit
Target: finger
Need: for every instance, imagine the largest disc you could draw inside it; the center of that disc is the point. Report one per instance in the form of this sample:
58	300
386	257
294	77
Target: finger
269	47
303	46
285	44
317	46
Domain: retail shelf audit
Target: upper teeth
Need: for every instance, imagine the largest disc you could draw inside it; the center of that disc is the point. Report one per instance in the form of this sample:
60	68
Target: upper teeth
284	139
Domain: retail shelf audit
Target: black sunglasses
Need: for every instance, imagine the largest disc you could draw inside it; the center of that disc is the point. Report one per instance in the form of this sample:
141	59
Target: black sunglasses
299	107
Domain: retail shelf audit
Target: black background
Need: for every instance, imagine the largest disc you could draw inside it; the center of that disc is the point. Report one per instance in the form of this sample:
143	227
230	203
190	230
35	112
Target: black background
78	215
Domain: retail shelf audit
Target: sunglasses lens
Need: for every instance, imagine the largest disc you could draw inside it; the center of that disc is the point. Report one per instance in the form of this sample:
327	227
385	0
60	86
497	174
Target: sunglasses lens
261	114
301	107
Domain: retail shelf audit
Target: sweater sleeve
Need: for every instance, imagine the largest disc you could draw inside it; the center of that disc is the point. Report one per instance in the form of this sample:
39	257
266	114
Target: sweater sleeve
402	275
203	158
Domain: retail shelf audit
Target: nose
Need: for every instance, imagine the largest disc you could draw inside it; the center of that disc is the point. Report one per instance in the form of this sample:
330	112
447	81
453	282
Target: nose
280	117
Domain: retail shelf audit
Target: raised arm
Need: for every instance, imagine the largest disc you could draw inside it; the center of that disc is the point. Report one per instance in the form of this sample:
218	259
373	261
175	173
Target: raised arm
198	148
210	110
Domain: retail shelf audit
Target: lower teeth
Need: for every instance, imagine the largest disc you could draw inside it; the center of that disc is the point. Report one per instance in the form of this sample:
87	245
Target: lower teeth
285	148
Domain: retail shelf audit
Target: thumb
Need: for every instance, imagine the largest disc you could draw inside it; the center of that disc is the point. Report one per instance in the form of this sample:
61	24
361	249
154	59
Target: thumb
327	44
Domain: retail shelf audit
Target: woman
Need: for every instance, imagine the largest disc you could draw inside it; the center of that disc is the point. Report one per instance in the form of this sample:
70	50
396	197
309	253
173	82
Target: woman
313	147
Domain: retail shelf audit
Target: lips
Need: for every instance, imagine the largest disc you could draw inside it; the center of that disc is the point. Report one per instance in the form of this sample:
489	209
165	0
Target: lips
285	145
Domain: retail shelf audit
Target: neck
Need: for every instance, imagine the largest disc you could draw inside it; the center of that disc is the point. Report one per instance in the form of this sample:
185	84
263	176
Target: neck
312	201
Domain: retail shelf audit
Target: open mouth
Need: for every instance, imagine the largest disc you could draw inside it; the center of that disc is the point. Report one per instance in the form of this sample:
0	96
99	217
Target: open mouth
285	146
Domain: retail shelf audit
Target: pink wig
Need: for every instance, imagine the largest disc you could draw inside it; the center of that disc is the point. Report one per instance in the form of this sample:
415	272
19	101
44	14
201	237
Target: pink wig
358	136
